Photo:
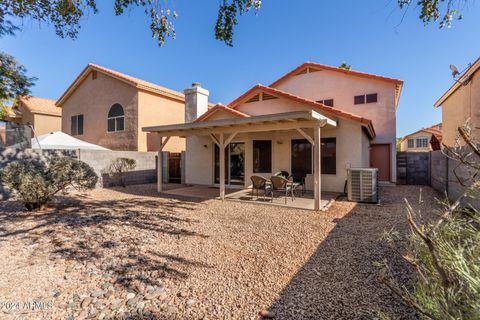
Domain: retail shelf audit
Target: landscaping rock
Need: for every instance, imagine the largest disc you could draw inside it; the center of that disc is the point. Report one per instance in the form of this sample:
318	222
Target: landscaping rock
184	259
267	314
97	293
109	294
86	302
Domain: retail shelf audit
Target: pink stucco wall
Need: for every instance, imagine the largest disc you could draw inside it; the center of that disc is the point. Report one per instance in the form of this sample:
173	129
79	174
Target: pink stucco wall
321	85
342	88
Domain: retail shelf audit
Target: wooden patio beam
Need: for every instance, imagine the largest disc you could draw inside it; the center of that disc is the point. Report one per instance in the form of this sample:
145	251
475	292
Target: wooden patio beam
257	127
317	174
163	142
306	136
222	166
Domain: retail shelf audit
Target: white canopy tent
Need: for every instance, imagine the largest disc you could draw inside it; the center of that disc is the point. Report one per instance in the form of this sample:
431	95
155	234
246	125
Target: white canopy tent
61	140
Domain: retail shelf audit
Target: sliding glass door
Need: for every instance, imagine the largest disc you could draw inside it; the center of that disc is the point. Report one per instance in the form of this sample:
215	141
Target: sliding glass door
301	157
234	164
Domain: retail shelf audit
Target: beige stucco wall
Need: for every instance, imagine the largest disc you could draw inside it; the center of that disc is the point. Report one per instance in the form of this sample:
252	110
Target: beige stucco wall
154	110
462	105
404	144
43	124
351	150
93	99
27	116
365	150
342	88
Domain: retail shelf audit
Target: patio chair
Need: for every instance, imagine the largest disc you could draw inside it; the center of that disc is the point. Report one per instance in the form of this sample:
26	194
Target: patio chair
286	187
259	183
300	179
282	173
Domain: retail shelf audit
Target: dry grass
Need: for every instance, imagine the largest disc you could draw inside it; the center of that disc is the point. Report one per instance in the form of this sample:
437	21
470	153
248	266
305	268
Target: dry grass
201	259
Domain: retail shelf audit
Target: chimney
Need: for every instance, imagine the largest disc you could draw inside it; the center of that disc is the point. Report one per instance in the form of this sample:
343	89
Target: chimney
196	102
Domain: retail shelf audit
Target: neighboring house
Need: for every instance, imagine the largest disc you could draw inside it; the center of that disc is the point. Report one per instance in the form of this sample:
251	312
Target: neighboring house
40	113
419	141
461	103
108	108
349	115
14	135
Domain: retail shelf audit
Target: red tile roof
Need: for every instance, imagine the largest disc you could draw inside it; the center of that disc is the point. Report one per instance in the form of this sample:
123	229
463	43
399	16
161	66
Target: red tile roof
40	105
432	130
336	69
220	107
135	82
366	123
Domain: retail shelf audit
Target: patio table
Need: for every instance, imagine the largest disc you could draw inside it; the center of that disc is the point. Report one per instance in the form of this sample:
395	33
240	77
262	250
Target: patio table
293	187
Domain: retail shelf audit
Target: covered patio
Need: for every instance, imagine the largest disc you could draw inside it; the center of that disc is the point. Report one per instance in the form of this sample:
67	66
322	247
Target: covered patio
223	131
302	201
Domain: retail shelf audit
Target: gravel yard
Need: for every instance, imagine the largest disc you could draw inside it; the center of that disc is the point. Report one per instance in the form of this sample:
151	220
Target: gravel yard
127	253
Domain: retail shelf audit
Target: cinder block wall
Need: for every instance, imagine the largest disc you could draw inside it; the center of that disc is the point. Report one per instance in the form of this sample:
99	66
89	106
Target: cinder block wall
445	178
439	171
413	168
145	171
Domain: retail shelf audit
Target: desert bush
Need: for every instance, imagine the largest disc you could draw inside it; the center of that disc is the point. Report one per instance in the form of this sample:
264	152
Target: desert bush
445	254
118	167
36	182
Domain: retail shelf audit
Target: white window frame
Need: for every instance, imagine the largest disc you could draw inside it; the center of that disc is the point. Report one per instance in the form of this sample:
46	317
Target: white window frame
115	119
421	139
413	143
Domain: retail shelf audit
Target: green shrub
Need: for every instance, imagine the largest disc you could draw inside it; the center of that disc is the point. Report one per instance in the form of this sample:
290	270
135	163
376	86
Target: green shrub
36	182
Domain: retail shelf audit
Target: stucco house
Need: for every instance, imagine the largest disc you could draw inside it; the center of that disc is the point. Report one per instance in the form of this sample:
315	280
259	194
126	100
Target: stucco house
42	114
461	102
316	118
420	141
109	108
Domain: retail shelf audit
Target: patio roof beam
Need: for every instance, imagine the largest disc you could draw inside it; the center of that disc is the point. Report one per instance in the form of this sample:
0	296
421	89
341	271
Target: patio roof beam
295	119
214	139
229	139
222	166
317	188
306	136
163	142
272	126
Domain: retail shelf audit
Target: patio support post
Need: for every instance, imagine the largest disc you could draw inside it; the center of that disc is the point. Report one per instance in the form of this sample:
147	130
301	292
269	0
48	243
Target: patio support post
163	142
222	166
317	167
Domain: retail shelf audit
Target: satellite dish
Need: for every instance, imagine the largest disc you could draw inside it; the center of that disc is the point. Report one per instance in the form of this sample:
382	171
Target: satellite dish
455	71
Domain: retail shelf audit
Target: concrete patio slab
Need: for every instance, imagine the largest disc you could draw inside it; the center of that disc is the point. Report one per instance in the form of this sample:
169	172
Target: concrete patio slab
205	192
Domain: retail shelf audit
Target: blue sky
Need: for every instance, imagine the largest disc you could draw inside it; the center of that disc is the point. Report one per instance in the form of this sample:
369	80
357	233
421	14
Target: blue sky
369	35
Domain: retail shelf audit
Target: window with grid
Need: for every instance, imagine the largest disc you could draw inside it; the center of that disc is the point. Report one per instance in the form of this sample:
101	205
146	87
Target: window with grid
366	98
116	118
422	142
411	143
